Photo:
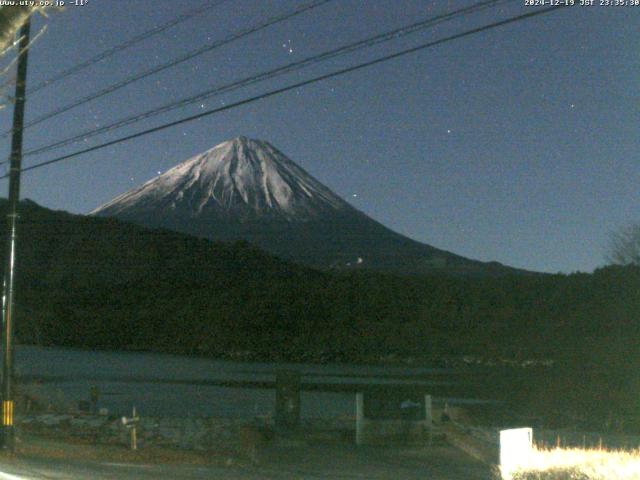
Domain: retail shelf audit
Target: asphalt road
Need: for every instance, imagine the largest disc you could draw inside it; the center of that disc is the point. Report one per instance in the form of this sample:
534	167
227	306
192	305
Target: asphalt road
318	462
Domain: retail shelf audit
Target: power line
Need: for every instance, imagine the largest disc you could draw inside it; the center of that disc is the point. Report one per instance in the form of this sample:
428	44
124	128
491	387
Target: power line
123	46
296	85
172	63
345	49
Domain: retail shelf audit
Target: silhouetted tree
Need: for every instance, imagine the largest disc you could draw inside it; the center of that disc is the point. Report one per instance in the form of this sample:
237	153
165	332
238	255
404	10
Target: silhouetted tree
625	246
11	19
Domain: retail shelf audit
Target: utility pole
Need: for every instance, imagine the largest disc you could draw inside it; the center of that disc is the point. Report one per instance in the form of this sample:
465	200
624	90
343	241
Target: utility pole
8	432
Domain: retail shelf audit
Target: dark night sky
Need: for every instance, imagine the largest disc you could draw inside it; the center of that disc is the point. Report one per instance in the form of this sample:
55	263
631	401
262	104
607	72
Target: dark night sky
519	144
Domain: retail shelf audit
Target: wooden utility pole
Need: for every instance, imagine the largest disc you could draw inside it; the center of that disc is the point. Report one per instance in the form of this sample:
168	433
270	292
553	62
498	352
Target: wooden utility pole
8	432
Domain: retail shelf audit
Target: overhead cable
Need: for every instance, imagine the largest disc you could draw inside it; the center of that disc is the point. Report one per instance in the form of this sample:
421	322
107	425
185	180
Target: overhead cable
294	86
291	67
159	68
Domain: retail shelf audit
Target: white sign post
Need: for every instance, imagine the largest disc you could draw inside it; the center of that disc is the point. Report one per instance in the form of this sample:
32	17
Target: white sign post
516	448
131	424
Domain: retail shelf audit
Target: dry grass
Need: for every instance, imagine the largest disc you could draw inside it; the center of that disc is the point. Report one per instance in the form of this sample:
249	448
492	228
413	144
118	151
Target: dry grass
77	449
578	464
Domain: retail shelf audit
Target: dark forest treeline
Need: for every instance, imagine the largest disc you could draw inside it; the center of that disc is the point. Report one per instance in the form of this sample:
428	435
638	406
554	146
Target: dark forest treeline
100	283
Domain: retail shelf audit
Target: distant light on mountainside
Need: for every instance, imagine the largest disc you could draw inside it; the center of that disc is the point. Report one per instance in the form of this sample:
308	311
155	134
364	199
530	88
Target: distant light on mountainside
245	189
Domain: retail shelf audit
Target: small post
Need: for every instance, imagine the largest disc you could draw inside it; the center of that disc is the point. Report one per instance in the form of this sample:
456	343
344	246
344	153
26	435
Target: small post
134	433
359	418
428	417
131	424
94	396
287	401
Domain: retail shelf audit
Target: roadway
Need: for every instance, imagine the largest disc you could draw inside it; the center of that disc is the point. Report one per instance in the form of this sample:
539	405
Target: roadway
302	462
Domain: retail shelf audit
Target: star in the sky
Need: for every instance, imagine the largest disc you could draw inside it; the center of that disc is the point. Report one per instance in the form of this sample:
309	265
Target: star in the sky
287	46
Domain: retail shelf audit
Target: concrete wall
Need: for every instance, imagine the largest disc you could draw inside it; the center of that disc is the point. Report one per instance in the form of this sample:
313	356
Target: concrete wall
379	431
186	433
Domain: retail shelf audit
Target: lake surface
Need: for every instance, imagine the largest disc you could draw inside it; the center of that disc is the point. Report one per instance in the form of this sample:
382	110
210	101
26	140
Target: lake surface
172	385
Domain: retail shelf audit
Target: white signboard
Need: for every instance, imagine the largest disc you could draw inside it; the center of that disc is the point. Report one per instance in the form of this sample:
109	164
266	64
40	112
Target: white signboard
516	447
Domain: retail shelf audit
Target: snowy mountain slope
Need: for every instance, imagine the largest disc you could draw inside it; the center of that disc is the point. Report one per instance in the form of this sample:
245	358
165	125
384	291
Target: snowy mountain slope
240	178
246	189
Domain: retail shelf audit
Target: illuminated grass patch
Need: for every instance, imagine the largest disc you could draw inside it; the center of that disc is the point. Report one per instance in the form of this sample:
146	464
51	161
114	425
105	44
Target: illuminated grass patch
577	464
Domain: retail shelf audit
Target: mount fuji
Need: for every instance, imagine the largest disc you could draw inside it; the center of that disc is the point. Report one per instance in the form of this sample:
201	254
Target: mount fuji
246	189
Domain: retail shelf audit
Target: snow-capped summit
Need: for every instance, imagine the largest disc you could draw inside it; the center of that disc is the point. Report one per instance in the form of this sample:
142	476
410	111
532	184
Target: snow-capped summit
245	189
244	178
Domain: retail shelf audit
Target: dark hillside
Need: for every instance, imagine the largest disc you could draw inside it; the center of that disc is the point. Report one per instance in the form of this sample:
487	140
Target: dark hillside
93	282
